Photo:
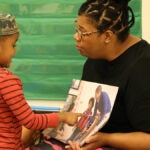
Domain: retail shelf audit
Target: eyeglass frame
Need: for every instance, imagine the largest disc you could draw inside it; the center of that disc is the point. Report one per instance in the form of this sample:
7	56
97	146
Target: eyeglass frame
80	34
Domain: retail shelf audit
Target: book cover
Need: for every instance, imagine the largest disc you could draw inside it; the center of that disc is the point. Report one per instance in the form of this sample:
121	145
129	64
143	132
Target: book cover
95	101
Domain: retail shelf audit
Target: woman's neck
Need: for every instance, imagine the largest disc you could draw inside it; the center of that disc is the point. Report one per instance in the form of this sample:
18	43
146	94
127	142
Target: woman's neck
117	48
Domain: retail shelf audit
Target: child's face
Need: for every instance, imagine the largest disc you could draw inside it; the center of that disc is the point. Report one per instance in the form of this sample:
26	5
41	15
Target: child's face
7	49
90	105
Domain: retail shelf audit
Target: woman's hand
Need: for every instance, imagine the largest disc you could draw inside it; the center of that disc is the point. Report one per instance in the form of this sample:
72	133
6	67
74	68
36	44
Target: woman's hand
73	146
92	143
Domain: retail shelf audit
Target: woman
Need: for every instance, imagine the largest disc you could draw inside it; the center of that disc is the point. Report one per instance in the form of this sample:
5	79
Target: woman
116	57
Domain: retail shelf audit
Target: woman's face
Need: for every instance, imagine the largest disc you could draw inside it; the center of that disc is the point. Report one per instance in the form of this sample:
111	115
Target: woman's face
89	45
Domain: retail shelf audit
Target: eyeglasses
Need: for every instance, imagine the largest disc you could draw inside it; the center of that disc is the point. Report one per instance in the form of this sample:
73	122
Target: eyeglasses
81	34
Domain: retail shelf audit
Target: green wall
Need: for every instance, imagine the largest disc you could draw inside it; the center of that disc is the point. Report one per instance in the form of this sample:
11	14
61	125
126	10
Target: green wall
46	58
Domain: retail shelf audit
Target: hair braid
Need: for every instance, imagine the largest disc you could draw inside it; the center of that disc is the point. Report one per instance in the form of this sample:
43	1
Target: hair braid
110	15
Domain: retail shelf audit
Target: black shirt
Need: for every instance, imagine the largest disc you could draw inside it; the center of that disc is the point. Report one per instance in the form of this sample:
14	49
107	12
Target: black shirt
131	73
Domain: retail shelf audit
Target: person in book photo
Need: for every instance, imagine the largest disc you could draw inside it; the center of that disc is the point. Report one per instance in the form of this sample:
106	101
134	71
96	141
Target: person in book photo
116	57
101	108
102	105
15	112
83	123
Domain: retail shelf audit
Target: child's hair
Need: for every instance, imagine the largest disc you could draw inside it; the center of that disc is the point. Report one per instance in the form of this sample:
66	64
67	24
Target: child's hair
92	101
109	15
8	25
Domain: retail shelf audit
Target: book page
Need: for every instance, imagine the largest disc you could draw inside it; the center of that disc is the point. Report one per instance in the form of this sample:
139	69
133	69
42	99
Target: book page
95	101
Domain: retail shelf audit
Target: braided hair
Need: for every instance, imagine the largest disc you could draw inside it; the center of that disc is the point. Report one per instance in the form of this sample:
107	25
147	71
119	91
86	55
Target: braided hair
114	15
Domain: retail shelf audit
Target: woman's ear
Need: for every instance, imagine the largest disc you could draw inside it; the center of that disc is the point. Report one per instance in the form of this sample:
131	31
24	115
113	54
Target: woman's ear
108	36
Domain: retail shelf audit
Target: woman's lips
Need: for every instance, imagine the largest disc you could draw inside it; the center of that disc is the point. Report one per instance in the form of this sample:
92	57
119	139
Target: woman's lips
78	47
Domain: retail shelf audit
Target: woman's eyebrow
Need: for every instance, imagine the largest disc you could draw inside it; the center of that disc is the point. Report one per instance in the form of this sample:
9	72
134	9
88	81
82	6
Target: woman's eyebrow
79	26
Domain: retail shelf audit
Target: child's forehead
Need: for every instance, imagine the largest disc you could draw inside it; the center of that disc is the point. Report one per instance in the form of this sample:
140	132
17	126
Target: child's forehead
12	38
8	25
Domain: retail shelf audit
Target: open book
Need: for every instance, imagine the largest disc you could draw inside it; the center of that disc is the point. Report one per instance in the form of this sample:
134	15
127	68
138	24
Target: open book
95	101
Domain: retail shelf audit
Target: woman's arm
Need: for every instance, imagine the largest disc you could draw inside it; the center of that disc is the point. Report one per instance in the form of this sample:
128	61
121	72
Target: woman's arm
121	141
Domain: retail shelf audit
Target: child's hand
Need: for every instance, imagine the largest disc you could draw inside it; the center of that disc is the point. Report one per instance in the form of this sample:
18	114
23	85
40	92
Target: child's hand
46	136
69	117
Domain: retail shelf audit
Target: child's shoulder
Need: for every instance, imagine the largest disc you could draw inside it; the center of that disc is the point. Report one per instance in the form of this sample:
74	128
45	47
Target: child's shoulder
6	74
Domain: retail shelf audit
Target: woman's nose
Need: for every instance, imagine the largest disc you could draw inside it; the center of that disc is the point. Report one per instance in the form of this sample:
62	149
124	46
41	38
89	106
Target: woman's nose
76	37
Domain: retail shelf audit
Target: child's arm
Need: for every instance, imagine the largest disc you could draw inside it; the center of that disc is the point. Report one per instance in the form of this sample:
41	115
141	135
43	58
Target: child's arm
14	98
29	136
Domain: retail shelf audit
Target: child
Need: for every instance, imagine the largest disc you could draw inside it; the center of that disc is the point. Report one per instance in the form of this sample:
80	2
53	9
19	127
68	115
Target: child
14	110
83	123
